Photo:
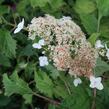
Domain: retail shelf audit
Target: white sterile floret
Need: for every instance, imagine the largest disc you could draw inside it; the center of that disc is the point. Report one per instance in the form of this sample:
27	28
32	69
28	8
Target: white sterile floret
19	26
98	44
96	82
77	81
41	42
37	45
43	60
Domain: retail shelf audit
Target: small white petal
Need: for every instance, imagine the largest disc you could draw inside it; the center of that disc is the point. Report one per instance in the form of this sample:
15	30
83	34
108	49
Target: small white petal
66	18
17	30
43	60
77	81
36	45
107	53
92	78
98	79
19	26
41	42
100	86
98	44
106	47
92	85
43	52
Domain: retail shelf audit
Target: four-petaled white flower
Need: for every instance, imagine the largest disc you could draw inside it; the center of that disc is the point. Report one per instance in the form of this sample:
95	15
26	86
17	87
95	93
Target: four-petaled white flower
96	82
43	61
19	26
39	44
98	44
77	81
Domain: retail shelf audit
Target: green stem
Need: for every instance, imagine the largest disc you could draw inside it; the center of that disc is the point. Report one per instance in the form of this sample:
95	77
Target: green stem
94	99
98	24
47	99
66	85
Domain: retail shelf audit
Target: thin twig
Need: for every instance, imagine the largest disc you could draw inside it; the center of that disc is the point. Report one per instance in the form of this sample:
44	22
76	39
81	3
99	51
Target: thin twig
66	85
31	82
67	88
98	25
47	99
94	99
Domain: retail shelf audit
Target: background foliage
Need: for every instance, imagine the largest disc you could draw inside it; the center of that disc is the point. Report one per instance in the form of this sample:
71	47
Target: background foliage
23	84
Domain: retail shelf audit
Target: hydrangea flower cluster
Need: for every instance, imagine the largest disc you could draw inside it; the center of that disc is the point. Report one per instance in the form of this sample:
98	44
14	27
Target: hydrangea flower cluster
67	45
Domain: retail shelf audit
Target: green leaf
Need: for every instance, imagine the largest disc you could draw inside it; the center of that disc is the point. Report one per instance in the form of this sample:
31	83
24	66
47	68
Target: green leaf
0	20
104	28
56	4
16	85
101	67
43	83
7	43
51	106
103	7
92	39
40	3
60	88
21	7
1	1
4	100
27	51
84	6
89	22
4	10
102	99
54	73
28	98
78	100
4	61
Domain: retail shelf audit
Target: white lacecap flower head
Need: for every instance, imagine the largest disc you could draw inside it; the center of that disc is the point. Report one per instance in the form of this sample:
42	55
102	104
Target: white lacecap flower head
98	44
43	61
77	81
37	45
96	83
19	26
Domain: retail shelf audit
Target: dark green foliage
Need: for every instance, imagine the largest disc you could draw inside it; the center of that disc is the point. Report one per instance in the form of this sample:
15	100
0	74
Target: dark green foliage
23	83
7	43
101	67
44	83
